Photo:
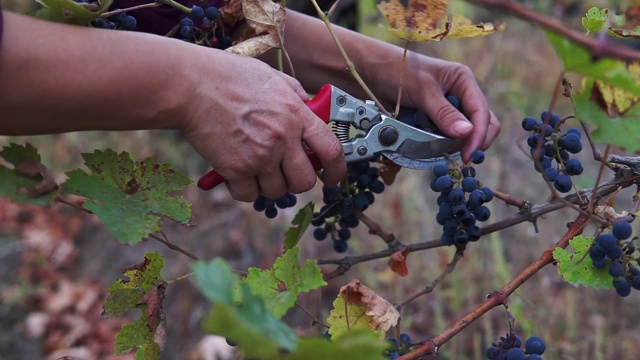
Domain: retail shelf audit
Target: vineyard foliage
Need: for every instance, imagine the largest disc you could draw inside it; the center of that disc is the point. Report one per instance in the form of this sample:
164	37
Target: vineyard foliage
134	198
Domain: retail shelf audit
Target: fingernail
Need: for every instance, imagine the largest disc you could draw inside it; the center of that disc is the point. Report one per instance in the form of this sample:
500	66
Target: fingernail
461	127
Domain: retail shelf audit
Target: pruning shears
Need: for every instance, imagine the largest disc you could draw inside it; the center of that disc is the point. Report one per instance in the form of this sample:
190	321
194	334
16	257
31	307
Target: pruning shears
378	133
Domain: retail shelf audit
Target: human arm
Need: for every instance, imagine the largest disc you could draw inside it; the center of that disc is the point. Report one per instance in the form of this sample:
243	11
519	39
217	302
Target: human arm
246	119
317	61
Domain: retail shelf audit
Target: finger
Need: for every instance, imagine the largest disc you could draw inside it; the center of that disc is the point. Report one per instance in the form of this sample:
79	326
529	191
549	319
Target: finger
319	137
295	86
272	185
492	131
448	119
298	172
243	189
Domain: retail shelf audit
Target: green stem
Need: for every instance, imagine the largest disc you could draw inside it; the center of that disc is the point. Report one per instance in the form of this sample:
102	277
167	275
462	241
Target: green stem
133	8
350	66
176	5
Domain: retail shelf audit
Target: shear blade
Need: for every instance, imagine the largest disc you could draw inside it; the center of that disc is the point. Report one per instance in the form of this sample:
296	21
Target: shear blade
415	149
421	164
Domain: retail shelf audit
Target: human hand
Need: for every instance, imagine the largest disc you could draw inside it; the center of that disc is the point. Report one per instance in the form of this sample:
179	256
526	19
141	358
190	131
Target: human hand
249	123
430	81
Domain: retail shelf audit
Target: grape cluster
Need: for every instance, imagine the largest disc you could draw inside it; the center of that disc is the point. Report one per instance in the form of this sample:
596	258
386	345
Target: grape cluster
119	21
461	201
616	253
398	347
548	145
203	27
270	207
509	348
338	215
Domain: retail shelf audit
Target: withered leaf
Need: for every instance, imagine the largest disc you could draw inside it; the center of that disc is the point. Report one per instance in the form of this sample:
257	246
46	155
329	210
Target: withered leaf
266	18
231	12
398	262
383	314
412	17
388	171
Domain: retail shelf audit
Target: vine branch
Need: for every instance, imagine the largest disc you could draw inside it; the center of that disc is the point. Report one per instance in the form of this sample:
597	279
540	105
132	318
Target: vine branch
500	296
596	47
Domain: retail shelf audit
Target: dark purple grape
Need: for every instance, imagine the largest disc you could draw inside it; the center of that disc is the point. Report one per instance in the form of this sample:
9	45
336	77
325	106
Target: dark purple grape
621	230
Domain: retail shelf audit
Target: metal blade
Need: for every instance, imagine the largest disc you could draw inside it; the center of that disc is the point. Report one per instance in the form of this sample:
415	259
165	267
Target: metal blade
421	164
416	149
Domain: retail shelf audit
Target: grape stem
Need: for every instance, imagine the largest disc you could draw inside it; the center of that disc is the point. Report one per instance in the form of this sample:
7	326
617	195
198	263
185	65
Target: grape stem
598	48
376	229
350	66
510	200
129	9
500	296
428	289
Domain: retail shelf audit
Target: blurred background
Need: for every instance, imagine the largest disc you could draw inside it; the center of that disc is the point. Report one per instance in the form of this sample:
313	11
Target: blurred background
55	264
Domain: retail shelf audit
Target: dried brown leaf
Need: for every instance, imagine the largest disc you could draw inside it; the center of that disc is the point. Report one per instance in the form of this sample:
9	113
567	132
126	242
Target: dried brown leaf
383	314
266	19
388	171
34	169
412	15
398	262
231	12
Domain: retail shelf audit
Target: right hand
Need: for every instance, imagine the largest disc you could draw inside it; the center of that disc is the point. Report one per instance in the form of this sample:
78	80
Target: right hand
249	121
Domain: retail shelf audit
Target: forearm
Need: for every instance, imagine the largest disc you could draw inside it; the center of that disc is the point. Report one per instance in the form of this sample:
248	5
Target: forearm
317	60
93	80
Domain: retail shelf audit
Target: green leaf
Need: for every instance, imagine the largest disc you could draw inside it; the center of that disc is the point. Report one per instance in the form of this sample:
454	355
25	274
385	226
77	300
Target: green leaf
256	331
347	317
134	335
125	295
69	11
355	345
130	198
16	186
621	130
595	19
299	225
576	268
214	279
149	352
578	60
286	270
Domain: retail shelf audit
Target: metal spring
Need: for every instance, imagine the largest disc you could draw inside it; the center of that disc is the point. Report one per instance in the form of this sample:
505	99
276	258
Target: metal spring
342	131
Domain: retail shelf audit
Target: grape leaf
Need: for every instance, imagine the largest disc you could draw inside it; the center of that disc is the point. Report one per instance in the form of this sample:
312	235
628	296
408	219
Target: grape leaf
595	19
149	352
125	295
619	130
576	268
410	18
130	198
136	335
250	324
354	345
455	27
266	20
299	225
623	26
286	270
71	12
578	60
614	100
358	307
28	181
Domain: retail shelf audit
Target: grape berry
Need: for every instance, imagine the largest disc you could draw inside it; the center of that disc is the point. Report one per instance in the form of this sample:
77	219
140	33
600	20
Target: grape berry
615	252
461	201
509	348
548	145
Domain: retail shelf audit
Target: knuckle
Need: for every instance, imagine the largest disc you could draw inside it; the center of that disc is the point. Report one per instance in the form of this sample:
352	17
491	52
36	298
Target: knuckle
446	113
304	183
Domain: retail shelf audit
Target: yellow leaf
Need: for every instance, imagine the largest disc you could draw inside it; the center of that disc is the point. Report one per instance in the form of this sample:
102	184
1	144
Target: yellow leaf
456	27
359	307
614	100
411	18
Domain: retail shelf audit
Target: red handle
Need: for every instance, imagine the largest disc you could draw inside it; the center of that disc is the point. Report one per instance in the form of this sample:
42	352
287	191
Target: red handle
320	105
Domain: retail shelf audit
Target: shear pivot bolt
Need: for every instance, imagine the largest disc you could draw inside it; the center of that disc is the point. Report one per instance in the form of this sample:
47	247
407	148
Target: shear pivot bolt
388	135
362	150
341	101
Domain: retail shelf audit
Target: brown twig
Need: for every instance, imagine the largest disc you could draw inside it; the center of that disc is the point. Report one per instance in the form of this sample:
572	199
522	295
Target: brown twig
314	320
596	47
510	200
173	246
376	229
500	296
133	8
623	179
448	270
